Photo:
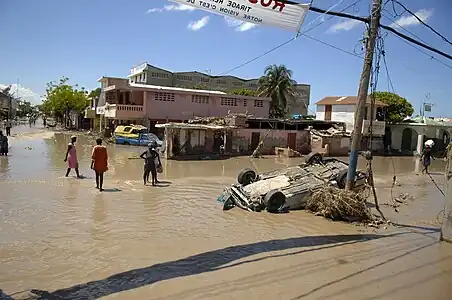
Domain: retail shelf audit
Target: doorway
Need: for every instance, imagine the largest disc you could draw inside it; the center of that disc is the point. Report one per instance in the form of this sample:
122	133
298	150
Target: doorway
292	140
328	112
407	136
255	139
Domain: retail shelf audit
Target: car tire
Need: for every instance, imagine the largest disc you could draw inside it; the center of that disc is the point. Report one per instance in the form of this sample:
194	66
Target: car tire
341	179
313	157
126	143
274	200
246	176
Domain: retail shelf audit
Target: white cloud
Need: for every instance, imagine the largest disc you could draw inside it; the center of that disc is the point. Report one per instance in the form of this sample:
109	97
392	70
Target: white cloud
178	7
239	25
23	93
197	25
404	21
344	25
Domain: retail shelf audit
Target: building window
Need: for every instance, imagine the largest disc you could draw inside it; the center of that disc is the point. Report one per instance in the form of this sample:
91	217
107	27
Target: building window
258	103
244	102
252	85
221	81
159	75
228	102
164	96
184	78
205	79
200	99
237	83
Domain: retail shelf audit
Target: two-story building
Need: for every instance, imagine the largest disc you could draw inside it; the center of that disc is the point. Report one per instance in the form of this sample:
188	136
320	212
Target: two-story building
152	75
130	102
342	109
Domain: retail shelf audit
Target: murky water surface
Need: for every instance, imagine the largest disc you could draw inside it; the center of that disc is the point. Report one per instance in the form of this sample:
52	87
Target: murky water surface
63	239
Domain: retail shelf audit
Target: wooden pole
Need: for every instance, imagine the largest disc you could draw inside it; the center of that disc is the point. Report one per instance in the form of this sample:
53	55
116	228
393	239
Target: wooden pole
362	92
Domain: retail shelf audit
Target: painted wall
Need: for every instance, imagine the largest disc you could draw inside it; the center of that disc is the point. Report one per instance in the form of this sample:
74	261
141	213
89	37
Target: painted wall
182	106
275	138
435	133
343	113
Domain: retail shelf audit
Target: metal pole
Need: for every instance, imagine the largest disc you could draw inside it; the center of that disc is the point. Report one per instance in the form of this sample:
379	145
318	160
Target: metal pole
362	93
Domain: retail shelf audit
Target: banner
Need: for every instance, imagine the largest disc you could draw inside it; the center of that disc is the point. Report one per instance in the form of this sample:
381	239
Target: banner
274	13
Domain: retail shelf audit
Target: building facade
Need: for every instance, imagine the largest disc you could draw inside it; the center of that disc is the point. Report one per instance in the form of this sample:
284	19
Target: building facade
342	109
151	75
129	102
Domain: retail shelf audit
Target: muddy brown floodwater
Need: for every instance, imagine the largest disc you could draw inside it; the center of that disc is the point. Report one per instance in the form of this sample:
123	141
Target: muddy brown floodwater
62	239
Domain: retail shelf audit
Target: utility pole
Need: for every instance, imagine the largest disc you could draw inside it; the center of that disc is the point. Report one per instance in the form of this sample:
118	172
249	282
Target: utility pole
362	92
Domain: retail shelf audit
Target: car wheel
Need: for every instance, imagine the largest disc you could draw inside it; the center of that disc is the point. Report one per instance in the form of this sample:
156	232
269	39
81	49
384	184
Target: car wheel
313	157
246	176
341	179
274	200
126	143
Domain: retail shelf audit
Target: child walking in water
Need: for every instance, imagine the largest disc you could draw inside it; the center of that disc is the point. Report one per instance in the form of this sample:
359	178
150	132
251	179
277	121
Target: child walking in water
99	163
71	157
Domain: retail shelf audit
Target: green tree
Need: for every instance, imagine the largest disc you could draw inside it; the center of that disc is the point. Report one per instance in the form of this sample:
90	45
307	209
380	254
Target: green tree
62	98
398	107
244	92
94	93
277	84
24	108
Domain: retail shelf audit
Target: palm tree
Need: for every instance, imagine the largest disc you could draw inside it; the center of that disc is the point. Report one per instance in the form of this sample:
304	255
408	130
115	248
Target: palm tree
277	84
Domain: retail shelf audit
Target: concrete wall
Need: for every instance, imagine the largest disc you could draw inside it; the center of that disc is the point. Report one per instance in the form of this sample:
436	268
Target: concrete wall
435	133
275	138
184	105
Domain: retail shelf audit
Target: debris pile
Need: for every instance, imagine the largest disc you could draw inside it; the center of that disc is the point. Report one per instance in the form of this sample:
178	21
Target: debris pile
331	132
338	204
217	121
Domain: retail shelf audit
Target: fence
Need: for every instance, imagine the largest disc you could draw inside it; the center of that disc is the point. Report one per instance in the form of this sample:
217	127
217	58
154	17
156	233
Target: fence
446	228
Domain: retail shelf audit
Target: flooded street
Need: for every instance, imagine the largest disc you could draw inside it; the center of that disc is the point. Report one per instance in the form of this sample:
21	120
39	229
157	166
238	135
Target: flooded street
64	239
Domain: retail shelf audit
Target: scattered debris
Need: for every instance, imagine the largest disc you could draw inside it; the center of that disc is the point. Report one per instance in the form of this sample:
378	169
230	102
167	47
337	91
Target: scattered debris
341	205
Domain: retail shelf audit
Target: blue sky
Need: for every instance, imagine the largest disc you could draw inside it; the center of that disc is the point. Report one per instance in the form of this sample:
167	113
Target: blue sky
86	39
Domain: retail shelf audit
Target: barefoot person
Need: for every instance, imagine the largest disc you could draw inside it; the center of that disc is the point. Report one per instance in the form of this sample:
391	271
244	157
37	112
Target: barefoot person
99	163
151	163
426	158
71	157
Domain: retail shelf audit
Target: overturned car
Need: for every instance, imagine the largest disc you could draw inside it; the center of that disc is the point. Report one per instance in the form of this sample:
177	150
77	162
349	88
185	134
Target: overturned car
289	188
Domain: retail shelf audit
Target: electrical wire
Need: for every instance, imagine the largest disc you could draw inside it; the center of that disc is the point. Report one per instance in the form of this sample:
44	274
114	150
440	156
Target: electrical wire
294	38
422	22
417	48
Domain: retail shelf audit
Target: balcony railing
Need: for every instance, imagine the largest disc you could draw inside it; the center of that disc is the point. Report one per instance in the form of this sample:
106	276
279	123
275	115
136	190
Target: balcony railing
124	111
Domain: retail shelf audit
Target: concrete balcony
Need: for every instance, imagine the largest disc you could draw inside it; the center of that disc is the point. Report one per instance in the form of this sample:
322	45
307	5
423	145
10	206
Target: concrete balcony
120	111
378	127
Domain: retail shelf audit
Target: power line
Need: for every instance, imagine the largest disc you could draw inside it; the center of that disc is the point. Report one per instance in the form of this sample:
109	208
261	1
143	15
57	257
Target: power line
390	85
422	22
367	21
292	39
418	49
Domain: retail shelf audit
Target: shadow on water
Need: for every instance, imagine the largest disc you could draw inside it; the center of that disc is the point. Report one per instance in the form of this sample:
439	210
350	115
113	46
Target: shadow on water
111	190
197	264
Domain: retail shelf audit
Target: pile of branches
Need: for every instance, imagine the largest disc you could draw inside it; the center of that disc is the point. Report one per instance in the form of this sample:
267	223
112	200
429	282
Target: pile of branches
219	121
339	204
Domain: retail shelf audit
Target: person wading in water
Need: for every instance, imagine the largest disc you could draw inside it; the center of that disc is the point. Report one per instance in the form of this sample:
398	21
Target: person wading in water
71	157
99	163
3	144
151	163
426	158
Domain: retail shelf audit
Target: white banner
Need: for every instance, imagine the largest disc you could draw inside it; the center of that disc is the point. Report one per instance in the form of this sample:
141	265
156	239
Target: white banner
275	13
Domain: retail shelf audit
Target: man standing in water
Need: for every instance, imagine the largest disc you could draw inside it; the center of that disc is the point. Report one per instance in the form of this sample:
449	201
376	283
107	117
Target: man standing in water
99	163
151	163
8	127
3	144
71	157
426	158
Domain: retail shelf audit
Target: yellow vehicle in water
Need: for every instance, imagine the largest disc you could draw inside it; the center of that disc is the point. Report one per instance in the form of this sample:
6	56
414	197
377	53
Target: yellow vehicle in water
137	135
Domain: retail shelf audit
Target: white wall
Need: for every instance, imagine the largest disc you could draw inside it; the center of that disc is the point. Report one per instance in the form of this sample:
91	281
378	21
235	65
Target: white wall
320	112
344	113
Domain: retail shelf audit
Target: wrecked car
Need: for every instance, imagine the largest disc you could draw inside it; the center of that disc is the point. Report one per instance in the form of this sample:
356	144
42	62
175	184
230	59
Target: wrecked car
289	188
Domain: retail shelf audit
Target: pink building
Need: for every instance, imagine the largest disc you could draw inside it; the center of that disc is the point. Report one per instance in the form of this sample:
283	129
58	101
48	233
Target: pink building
131	102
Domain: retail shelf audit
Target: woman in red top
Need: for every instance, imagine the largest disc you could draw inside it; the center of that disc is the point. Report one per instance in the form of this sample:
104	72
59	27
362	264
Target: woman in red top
99	164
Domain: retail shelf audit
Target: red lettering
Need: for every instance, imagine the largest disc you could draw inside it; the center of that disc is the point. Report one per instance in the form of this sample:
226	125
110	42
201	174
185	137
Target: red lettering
280	4
266	3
